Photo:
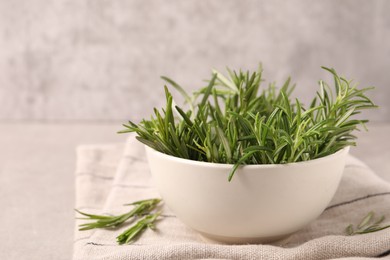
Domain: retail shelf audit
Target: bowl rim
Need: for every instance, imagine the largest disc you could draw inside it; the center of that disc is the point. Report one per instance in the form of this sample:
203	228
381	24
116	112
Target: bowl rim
340	152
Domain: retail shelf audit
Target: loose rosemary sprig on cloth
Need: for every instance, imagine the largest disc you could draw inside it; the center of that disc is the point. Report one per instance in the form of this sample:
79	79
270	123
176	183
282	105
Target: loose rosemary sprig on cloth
141	208
233	120
134	231
368	225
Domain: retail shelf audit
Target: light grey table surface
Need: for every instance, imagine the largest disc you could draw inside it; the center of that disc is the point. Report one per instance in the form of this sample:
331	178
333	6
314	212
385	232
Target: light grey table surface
37	161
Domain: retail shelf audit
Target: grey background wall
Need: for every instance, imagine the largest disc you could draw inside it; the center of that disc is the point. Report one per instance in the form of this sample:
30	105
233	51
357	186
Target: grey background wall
101	59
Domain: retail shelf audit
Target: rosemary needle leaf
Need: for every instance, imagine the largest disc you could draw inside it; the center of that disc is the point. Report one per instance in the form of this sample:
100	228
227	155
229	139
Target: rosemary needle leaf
90	216
380	220
366	220
349	229
147	201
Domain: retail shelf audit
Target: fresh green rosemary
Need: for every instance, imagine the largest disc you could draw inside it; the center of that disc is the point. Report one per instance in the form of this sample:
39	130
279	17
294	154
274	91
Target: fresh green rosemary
131	234
142	208
368	225
234	120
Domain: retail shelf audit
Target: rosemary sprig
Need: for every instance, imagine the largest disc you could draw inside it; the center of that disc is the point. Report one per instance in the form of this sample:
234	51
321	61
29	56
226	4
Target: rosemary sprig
141	208
368	225
137	229
233	120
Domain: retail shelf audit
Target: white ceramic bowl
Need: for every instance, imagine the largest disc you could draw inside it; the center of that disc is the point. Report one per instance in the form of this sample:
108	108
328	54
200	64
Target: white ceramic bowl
260	204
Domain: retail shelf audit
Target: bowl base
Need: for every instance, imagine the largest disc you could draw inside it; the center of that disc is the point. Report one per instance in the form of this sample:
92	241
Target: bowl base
241	240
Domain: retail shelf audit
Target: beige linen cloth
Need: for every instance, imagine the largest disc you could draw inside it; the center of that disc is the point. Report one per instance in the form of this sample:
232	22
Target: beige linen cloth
108	176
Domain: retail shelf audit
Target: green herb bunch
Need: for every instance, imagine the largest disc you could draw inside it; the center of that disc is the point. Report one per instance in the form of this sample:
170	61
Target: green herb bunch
234	120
